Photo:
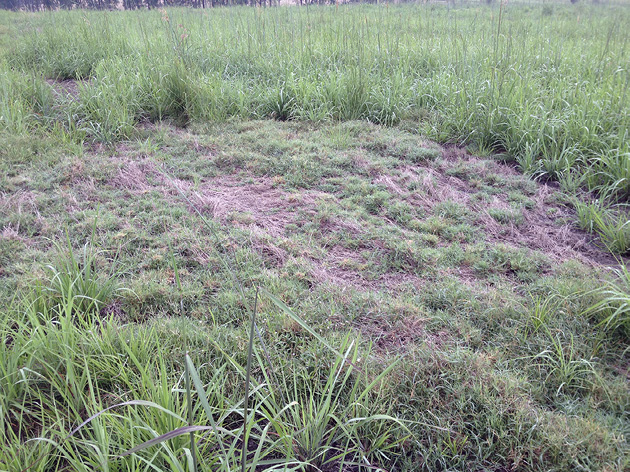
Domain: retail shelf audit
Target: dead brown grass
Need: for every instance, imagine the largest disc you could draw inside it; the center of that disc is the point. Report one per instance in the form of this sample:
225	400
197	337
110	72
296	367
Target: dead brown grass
260	206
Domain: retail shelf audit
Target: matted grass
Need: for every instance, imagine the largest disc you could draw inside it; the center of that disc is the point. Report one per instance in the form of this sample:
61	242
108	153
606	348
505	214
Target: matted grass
546	85
502	366
146	197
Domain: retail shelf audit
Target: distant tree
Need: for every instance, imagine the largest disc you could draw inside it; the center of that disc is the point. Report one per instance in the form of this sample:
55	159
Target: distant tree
10	4
37	5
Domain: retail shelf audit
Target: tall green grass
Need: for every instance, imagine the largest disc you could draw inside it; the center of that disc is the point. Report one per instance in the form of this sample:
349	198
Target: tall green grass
611	223
548	87
83	392
613	310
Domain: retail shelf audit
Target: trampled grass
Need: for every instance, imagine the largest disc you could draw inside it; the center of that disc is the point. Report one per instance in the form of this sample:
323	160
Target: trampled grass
544	83
417	307
356	234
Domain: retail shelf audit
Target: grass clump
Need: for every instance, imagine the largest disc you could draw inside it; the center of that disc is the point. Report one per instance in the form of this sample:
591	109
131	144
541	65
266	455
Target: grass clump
562	368
76	286
613	310
611	223
506	216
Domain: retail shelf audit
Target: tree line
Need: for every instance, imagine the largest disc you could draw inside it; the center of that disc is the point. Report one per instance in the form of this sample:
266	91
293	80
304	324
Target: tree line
38	5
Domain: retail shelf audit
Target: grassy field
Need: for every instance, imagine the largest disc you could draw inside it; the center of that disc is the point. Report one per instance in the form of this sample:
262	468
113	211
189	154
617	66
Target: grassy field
168	177
546	86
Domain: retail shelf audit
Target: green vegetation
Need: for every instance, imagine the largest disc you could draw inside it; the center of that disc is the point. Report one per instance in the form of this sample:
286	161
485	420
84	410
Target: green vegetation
548	88
188	284
552	88
611	222
504	360
614	308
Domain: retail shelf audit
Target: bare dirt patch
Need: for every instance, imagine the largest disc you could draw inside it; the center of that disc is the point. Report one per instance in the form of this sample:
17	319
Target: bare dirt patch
247	202
259	206
19	204
132	176
396	335
540	231
68	88
255	205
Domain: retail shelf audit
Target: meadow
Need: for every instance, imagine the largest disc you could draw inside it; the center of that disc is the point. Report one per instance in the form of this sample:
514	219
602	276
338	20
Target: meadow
336	238
546	86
